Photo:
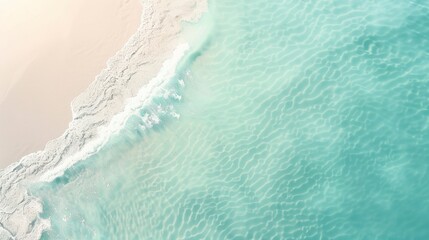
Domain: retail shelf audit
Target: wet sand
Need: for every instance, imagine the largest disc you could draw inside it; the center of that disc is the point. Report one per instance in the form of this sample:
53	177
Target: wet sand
51	51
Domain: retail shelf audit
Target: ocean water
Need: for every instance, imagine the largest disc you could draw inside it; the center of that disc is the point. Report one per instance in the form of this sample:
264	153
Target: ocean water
298	120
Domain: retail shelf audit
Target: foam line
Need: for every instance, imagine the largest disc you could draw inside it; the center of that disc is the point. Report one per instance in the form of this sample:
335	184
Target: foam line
133	105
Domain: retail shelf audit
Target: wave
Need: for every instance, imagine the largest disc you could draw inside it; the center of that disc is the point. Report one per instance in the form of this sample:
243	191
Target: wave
133	105
102	110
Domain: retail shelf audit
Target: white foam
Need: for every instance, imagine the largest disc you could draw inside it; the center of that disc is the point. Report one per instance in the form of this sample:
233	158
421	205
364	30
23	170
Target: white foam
133	105
146	63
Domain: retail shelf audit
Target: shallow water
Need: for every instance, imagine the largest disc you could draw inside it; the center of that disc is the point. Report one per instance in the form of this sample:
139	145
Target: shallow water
298	120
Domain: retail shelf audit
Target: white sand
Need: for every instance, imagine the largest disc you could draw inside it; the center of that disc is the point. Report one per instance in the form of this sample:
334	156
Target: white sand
50	52
128	73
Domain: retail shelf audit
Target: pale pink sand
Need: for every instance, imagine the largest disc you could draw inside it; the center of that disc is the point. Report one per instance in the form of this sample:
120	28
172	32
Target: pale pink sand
50	52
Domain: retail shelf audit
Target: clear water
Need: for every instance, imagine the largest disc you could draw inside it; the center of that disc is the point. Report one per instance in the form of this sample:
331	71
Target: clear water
299	120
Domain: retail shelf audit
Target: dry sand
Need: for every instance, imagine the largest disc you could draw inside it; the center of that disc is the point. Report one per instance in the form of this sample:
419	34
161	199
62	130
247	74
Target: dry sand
50	52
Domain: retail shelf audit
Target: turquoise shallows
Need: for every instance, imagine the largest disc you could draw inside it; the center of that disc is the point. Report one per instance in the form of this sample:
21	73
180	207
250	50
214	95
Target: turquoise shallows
299	120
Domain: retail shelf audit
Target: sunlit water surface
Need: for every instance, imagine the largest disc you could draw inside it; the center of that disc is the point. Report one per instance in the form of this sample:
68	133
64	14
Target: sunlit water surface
298	120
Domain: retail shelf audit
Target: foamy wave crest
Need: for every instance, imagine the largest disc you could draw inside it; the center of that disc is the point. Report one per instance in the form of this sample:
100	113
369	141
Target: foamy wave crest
143	98
138	72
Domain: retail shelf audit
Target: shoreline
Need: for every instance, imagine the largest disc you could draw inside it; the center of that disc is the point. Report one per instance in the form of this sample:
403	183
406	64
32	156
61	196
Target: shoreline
51	51
133	67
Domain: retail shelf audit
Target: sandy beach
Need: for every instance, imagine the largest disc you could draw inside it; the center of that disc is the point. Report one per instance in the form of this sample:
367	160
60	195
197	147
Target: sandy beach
51	51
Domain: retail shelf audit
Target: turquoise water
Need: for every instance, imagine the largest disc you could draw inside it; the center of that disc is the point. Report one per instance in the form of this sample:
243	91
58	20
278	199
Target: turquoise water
299	120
